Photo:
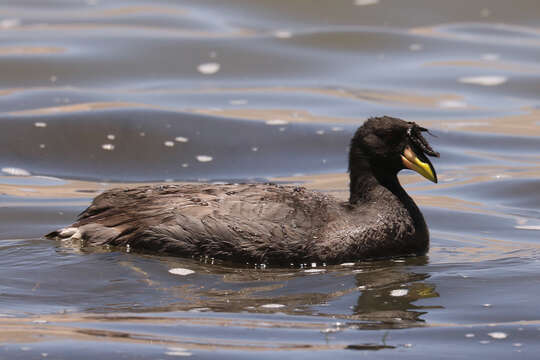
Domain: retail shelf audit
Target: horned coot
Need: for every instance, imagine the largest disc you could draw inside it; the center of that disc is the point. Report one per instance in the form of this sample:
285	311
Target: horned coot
275	224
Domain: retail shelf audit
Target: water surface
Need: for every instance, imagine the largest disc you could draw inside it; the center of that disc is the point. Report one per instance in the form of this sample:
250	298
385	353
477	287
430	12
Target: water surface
99	94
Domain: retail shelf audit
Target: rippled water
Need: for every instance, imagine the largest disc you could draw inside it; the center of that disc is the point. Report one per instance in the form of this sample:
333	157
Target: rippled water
94	93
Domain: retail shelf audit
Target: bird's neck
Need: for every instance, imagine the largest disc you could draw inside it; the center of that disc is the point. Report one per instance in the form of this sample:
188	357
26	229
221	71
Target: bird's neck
367	186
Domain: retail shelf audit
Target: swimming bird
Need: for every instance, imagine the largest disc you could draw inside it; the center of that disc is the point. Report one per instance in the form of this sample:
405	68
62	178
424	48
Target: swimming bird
276	224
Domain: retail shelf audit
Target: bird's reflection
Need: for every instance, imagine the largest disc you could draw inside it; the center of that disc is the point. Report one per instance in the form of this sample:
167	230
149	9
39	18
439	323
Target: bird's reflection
387	291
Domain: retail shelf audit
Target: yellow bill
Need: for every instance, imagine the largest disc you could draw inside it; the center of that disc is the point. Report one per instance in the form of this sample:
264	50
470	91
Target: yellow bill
411	161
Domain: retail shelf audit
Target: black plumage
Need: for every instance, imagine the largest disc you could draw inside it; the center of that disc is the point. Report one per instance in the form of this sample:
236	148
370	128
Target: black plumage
266	223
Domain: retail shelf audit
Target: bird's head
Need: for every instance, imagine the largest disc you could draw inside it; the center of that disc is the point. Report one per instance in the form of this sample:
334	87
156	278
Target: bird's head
389	145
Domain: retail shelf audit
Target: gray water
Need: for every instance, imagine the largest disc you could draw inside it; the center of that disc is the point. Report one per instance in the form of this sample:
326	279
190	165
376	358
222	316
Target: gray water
96	94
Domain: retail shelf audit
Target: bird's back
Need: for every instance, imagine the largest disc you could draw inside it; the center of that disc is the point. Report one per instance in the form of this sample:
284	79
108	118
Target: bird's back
250	223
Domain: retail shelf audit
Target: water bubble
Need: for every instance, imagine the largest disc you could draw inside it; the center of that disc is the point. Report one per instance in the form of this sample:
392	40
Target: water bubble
254	148
399	292
498	335
111	137
204	158
40	124
208	68
181	271
492	80
168	143
108	147
15	171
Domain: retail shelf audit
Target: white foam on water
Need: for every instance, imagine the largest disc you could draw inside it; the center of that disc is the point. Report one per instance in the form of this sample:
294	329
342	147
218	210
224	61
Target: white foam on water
282	34
277	122
204	158
9	23
490	57
15	171
208	68
498	335
177	351
40	124
492	80
168	143
528	227
365	2
452	104
181	271
108	147
181	139
238	102
111	136
416	47
273	306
